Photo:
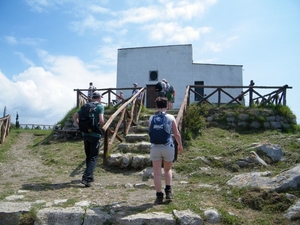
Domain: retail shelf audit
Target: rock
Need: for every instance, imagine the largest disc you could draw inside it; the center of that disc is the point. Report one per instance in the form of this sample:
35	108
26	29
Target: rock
274	152
284	181
213	216
155	218
187	217
293	213
58	215
96	216
10	212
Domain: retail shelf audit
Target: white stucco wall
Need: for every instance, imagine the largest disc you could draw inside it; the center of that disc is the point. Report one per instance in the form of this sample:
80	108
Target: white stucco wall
175	64
218	75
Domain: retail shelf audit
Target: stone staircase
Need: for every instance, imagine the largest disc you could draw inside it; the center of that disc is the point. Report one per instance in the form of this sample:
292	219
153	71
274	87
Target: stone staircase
134	152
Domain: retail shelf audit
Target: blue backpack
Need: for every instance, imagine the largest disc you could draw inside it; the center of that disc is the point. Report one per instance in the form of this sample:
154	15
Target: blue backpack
158	131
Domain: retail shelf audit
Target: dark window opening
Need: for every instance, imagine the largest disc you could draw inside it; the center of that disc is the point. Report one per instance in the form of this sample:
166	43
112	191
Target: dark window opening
153	76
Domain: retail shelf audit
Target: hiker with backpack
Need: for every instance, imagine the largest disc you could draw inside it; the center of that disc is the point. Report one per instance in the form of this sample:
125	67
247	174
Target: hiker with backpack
162	150
161	88
90	91
90	119
169	95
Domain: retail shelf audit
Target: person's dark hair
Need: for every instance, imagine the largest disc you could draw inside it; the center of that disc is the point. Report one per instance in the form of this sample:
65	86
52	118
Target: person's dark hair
161	102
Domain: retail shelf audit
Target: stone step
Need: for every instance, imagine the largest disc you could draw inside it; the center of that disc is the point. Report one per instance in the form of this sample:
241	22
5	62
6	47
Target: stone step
136	137
139	129
139	147
130	161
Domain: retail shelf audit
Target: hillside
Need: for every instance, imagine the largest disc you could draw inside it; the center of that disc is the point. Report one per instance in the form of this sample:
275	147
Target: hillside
32	171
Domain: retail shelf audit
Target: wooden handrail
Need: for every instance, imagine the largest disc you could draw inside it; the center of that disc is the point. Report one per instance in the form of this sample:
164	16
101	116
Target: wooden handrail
276	97
5	127
129	112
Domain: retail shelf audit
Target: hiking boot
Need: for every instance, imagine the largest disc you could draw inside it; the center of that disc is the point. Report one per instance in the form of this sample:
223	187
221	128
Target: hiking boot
169	195
86	183
159	198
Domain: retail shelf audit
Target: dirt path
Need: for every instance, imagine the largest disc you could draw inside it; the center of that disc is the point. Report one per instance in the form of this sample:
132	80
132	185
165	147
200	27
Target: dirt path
20	165
25	176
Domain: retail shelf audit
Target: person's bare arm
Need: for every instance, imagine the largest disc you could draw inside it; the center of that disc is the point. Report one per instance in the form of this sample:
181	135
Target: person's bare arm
75	118
177	136
101	120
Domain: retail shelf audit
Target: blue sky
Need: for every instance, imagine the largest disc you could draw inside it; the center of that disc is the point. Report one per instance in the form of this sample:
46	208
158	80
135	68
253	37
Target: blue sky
50	47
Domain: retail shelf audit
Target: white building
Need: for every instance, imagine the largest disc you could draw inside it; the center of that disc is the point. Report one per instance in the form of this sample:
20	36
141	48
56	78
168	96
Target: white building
148	65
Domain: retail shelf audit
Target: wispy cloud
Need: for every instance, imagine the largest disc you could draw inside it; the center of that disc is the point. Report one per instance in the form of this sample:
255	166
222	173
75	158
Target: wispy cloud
25	41
173	32
24	59
11	40
220	46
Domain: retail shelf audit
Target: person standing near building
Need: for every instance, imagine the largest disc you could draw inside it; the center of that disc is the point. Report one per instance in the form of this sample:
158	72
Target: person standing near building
90	91
91	140
161	126
134	91
169	94
120	97
162	92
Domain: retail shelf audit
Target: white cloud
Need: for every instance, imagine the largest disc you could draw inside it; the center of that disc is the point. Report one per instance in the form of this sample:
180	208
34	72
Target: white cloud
140	15
187	9
89	22
98	9
181	11
218	47
43	95
173	32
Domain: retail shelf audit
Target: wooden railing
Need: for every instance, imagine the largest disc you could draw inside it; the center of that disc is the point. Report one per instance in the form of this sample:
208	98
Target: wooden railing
35	126
82	98
5	127
127	114
276	97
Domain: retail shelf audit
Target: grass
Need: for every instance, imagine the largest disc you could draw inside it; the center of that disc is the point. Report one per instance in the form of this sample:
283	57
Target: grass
8	142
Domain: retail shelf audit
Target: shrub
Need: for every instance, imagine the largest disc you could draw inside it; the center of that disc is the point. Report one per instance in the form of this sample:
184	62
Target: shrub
194	121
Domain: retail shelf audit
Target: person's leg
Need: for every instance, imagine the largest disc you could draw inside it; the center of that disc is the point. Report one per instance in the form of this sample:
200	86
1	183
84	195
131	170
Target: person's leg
168	172
92	157
168	162
157	174
168	180
92	145
86	143
157	181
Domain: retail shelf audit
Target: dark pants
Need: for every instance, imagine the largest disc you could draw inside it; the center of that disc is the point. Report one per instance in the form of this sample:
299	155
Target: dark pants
91	148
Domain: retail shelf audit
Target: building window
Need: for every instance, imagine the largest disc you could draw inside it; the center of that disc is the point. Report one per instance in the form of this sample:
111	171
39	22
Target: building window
153	75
